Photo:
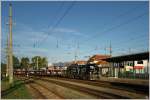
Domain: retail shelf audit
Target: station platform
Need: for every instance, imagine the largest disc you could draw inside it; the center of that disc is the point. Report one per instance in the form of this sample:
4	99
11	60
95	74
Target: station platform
141	82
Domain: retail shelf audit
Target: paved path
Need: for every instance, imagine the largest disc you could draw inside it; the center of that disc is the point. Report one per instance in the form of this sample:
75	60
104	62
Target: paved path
125	80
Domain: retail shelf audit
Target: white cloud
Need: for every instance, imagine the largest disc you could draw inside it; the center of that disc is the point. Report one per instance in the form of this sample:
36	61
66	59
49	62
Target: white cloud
29	51
27	33
65	31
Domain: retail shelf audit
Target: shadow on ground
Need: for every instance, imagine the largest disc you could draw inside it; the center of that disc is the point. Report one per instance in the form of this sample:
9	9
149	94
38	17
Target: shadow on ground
17	84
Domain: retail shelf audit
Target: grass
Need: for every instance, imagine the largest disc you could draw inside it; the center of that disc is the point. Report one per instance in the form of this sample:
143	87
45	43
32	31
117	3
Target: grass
18	91
4	85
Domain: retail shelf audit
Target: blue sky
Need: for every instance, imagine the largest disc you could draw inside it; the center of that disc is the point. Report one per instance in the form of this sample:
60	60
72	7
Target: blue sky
92	25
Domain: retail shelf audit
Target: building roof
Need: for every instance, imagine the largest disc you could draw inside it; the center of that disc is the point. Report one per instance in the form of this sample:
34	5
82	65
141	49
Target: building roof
130	57
102	62
80	62
98	57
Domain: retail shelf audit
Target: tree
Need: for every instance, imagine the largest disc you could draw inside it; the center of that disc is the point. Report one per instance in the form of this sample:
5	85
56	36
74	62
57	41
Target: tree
39	62
35	62
16	62
3	70
44	62
3	67
25	62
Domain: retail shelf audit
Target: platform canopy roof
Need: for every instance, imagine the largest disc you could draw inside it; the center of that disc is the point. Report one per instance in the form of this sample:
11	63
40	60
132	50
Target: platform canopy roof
130	57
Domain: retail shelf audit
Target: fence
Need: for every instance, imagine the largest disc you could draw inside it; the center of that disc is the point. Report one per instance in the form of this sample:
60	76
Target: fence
133	75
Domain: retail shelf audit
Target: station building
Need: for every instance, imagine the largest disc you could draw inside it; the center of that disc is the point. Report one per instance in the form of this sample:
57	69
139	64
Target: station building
129	66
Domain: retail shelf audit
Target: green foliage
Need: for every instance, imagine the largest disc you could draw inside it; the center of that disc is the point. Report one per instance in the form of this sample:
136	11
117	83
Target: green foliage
16	62
44	62
25	62
3	67
41	61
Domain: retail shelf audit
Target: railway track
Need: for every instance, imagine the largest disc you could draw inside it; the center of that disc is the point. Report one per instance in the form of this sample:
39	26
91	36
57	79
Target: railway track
59	92
47	88
94	93
41	91
37	94
108	85
97	91
64	92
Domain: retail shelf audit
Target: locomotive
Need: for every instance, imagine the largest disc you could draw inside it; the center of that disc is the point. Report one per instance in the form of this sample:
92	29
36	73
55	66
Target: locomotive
85	72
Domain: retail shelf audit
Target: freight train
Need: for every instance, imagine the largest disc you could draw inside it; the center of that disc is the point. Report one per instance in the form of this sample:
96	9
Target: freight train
74	71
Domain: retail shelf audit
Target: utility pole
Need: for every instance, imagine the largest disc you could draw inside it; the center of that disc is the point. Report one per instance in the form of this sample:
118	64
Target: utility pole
110	49
105	50
76	50
10	47
75	56
7	57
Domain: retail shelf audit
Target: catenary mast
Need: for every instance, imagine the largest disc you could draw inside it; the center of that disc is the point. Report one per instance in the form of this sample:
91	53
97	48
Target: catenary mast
10	47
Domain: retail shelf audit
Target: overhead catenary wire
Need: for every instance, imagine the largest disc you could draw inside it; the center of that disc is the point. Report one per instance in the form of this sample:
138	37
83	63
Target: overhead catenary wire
126	13
57	23
130	51
123	42
52	22
44	38
139	45
131	39
122	14
116	18
117	26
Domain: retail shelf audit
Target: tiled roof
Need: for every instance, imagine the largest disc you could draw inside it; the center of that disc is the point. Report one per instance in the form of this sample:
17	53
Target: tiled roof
102	62
99	58
80	62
